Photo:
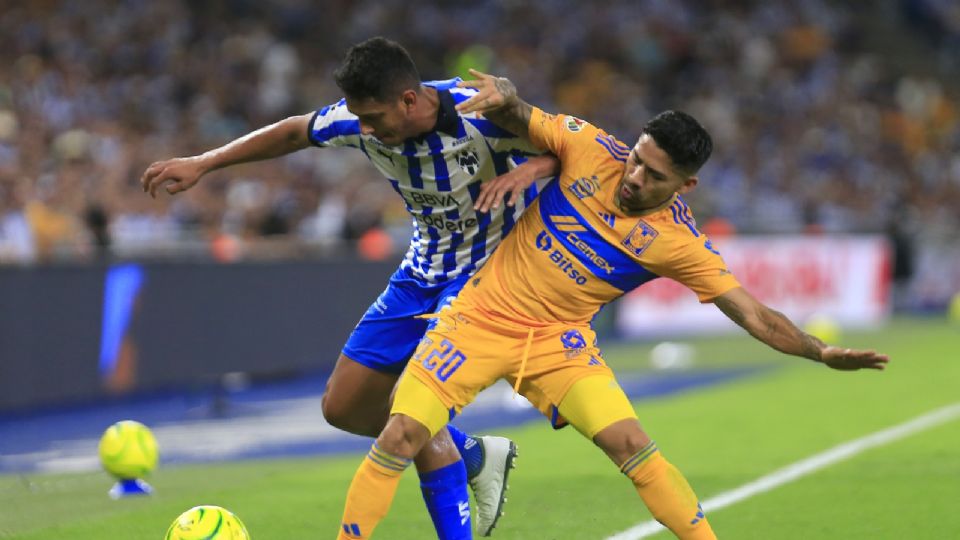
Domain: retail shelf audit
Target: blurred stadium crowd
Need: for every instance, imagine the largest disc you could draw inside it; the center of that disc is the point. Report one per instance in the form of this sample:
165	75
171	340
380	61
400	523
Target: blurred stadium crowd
817	128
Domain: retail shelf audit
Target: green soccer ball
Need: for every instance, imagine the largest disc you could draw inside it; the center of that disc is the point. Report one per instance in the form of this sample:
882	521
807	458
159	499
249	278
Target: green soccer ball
207	523
128	450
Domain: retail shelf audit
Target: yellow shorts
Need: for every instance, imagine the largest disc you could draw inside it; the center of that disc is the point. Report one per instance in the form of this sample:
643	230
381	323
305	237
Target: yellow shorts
467	352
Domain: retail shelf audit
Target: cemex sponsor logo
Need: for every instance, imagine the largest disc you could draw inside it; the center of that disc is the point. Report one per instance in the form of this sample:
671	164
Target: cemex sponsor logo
545	244
589	252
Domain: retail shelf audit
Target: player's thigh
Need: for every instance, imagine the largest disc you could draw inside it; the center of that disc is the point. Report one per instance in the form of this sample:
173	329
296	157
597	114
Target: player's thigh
393	325
421	402
454	362
599	409
384	339
377	351
567	380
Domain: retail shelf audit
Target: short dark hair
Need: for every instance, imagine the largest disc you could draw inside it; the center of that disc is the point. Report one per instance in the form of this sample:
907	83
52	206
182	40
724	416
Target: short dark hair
683	139
377	68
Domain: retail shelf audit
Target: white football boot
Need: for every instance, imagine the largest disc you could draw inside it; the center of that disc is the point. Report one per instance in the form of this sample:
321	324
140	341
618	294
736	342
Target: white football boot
490	484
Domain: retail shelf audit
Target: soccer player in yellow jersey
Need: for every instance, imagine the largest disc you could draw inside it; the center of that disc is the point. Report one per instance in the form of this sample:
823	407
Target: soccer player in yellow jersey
613	220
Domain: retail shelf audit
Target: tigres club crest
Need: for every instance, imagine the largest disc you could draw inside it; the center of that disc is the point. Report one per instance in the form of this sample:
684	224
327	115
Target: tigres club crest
640	238
468	161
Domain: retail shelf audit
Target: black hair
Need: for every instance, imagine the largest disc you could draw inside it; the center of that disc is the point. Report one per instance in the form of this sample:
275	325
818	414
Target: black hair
377	69
683	139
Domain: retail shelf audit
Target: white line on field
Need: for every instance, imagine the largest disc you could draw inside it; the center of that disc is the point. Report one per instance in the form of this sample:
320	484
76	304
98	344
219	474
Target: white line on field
806	466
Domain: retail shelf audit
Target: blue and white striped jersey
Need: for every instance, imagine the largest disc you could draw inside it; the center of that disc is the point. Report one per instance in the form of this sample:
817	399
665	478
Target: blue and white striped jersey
439	175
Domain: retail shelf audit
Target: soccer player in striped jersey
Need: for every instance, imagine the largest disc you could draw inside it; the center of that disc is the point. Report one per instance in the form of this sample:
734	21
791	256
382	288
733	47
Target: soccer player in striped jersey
437	160
612	221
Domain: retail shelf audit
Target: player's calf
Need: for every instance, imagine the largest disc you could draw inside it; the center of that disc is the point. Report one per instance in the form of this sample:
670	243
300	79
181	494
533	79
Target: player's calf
375	482
662	487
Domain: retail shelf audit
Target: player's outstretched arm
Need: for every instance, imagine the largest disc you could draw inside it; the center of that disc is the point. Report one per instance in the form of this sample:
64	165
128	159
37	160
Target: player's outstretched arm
497	99
777	331
272	141
515	182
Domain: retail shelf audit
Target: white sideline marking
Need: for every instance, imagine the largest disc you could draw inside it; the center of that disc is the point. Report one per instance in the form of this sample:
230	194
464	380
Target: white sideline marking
806	466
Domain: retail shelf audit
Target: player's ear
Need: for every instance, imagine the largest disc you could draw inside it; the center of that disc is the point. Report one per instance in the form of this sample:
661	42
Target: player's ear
688	185
409	99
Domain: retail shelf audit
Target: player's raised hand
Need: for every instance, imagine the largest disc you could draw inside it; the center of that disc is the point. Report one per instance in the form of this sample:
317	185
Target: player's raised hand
515	182
180	173
852	359
492	93
493	191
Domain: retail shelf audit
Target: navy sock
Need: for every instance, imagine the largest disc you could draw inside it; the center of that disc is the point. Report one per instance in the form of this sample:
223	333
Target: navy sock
470	450
445	492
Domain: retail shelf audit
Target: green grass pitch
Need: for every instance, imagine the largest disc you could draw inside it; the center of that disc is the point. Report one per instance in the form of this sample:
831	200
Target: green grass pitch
721	437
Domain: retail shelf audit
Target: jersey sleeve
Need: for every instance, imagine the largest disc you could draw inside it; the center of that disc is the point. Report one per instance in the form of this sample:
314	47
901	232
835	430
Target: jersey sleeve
334	125
564	136
699	267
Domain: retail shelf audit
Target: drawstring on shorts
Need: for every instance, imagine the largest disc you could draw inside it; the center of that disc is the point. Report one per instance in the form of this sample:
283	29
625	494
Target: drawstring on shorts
523	361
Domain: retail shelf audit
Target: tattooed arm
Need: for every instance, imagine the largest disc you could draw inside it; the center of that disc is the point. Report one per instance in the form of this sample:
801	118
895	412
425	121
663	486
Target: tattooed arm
497	99
777	331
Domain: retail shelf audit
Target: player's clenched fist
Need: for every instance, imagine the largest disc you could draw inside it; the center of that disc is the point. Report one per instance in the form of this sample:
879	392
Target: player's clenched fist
180	173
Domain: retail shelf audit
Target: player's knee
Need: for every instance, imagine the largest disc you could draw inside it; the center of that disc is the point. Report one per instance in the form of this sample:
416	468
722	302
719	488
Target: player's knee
333	413
622	440
344	417
634	442
403	436
437	453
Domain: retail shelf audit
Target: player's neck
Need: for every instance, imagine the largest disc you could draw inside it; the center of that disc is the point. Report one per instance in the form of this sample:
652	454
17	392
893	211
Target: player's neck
426	116
640	212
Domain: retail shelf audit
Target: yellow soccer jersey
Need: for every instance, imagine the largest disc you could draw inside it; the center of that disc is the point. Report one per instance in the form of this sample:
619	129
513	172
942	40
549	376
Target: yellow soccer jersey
574	251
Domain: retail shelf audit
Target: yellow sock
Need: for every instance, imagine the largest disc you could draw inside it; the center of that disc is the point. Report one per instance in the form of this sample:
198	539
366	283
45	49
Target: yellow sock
667	494
371	493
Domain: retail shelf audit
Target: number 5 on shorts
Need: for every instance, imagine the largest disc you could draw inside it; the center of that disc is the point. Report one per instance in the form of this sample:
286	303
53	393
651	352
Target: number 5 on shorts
446	353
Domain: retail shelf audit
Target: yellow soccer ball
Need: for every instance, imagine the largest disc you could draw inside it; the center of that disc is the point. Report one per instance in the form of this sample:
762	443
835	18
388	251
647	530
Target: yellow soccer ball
128	450
207	523
953	310
824	328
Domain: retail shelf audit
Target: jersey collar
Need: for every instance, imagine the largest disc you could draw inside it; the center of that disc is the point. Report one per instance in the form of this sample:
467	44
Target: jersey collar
446	114
448	120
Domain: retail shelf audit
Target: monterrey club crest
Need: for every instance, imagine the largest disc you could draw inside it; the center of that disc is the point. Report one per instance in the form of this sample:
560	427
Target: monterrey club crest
469	161
640	238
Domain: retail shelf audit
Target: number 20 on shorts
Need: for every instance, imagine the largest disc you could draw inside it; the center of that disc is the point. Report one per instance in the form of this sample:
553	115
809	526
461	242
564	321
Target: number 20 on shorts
444	358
